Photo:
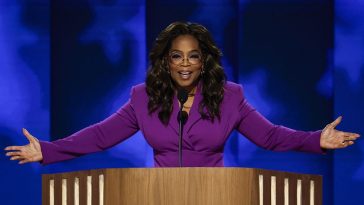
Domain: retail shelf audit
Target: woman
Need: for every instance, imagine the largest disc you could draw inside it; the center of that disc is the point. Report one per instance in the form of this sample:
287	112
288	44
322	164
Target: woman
183	56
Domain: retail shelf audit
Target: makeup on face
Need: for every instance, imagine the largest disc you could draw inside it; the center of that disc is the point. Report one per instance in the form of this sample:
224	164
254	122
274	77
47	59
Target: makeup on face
185	61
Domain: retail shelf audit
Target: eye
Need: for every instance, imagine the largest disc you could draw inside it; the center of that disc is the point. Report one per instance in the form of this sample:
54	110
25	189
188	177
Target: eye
176	56
195	56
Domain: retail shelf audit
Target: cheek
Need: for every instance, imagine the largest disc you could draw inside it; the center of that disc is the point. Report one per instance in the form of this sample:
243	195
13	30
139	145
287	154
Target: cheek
171	68
173	71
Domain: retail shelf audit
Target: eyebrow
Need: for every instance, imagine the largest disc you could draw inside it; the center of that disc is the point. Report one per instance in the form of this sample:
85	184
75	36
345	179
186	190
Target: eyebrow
175	50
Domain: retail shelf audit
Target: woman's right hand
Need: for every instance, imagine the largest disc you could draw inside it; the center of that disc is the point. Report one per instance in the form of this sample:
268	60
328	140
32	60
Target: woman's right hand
26	153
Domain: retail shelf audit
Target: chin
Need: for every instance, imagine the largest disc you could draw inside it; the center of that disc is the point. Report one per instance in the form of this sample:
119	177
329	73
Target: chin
186	84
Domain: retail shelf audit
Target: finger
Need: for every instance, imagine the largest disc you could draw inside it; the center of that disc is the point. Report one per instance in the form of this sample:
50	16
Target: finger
348	138
343	144
350	135
28	135
350	142
13	148
16	158
13	153
23	161
336	122
346	144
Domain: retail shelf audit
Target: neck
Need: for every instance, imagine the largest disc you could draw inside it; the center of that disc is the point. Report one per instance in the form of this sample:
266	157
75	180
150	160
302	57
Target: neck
191	90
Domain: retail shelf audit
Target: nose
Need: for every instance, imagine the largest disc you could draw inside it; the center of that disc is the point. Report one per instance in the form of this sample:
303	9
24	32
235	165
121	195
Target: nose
185	62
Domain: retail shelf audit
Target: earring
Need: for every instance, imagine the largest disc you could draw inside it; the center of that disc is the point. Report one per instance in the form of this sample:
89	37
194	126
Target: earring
168	70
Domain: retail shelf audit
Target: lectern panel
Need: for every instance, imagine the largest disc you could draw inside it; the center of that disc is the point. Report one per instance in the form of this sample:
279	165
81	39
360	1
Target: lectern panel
181	186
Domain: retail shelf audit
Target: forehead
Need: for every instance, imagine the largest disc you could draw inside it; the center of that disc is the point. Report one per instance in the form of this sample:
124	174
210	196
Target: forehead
185	43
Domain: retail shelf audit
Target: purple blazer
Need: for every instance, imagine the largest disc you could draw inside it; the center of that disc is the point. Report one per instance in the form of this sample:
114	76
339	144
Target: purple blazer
203	140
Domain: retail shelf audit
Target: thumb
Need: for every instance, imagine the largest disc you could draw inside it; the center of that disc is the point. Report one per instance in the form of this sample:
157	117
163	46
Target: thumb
28	135
336	122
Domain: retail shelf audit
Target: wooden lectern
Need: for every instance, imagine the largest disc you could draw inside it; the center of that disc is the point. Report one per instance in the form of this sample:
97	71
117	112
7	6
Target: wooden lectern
187	186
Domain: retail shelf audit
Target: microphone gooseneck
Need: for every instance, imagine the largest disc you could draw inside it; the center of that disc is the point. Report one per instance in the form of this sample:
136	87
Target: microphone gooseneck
182	117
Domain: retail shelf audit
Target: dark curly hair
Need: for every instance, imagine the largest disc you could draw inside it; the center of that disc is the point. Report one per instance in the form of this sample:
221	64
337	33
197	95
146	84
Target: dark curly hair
161	88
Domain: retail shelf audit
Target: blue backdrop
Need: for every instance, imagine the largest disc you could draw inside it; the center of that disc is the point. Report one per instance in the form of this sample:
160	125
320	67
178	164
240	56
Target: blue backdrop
68	64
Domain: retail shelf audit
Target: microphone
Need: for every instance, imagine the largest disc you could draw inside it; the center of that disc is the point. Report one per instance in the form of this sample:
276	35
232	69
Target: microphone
182	96
182	117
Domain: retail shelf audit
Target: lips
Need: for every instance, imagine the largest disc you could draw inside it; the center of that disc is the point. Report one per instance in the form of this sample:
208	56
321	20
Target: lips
185	74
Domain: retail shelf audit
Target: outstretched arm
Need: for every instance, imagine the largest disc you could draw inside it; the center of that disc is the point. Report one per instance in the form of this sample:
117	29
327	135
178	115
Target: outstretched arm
279	138
100	136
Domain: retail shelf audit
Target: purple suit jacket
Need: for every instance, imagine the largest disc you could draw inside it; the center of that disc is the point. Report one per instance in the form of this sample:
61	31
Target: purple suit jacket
203	140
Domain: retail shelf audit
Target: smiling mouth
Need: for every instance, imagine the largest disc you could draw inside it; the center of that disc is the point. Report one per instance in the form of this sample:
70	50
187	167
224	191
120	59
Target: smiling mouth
185	74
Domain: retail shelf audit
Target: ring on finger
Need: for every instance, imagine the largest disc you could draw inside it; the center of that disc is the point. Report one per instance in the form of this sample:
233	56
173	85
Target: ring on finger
346	142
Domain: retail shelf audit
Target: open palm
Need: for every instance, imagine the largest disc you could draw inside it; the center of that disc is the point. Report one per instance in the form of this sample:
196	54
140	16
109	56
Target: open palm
26	153
334	139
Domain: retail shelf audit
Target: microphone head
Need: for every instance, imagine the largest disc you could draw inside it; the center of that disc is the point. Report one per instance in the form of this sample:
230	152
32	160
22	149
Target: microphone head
182	116
182	95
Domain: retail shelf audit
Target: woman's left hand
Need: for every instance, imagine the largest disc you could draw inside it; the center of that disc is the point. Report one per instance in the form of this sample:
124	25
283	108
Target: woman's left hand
334	139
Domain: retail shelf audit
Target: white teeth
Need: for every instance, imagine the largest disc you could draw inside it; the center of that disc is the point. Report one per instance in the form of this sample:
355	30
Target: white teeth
185	74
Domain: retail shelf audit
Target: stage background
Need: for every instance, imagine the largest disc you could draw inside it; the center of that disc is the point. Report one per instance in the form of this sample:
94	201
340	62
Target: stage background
68	64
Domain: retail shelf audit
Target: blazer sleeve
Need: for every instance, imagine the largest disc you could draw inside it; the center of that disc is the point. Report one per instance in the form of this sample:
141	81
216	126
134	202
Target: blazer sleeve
265	134
100	136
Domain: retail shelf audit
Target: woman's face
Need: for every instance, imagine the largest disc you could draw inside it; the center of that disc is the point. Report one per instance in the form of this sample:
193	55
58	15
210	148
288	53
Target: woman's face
185	61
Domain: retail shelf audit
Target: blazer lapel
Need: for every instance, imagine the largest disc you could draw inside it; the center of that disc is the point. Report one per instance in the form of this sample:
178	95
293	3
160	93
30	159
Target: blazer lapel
173	120
193	117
